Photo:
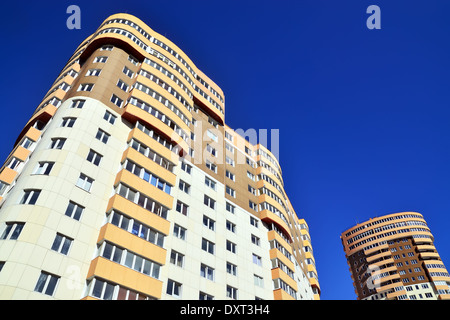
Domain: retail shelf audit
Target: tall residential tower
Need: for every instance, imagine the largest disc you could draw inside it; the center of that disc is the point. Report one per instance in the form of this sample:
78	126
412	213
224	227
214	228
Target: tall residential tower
126	183
393	258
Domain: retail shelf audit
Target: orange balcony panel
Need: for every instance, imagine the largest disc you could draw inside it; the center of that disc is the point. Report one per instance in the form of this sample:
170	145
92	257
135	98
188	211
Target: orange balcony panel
275	253
133	113
273	235
270	217
154	145
21	153
427	255
278	273
114	272
133	243
8	175
152	166
33	134
134	211
280	294
444	297
144	187
395	294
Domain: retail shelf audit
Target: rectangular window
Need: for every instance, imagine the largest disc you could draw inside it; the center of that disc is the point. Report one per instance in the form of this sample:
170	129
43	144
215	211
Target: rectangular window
86	87
255	240
122	85
229	161
44	168
100	59
206	272
173	288
107	48
133	60
211	166
179	232
57	143
68	122
228	136
26	143
211	150
252	205
62	244
94	157
230	207
257	259
205	296
230	191
184	186
209	202
231	226
258	281
30	196
102	136
231	246
93	72
176	258
231	268
77	104
182	208
209	223
84	182
212	135
127	72
46	283
12	230
229	175
186	168
74	210
207	246
232	292
117	101
210	183
109	117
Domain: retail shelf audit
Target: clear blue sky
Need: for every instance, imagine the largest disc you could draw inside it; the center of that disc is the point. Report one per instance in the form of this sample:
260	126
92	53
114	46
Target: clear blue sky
363	114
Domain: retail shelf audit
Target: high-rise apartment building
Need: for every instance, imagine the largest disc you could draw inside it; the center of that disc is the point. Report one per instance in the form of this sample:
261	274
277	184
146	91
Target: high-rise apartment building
126	183
393	258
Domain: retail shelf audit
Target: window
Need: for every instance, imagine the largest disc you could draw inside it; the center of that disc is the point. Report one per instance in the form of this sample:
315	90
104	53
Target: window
84	182
209	202
12	230
231	226
46	283
205	296
179	232
255	240
228	136
103	290
206	272
211	150
117	101
230	207
102	136
209	223
232	292
182	208
122	85
68	122
211	135
74	210
133	60
231	246
107	48
44	168
30	196
176	258
86	87
252	205
229	175
258	281
254	222
252	190
77	104
109	117
185	167
230	191
184	186
94	157
256	259
62	244
127	72
93	72
229	161
13	163
100	59
207	246
57	143
231	268
210	183
211	166
26	143
173	288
